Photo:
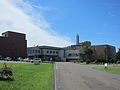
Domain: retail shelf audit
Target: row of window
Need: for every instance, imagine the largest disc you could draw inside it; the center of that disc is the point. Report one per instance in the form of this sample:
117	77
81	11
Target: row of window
52	52
33	51
73	55
38	51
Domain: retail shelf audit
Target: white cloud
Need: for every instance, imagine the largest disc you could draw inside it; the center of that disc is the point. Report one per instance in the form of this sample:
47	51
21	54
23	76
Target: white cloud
45	8
12	17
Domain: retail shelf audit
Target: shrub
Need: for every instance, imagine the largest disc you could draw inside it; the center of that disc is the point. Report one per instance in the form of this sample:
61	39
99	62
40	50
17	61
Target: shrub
6	73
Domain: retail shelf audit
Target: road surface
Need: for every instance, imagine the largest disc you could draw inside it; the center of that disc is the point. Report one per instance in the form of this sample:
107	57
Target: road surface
70	76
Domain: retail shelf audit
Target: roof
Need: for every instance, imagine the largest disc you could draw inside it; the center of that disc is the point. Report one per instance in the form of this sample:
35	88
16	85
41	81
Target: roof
102	45
46	47
12	32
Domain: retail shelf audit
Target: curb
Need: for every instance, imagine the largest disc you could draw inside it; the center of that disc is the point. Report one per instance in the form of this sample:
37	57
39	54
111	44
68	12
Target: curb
55	86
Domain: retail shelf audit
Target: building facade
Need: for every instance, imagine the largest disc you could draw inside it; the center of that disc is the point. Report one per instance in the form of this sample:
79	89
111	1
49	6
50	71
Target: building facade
13	44
58	54
104	52
46	52
72	55
73	52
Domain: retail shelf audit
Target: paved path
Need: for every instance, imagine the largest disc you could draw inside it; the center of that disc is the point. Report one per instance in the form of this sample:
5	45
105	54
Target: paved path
71	76
13	62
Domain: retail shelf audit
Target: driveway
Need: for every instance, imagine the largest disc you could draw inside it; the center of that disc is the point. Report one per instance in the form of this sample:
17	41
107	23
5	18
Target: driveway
70	76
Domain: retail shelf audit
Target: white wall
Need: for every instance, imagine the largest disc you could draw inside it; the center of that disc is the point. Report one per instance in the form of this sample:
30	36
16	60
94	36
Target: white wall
32	51
50	52
72	54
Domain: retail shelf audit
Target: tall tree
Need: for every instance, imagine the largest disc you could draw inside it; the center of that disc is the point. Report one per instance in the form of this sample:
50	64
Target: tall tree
88	54
118	55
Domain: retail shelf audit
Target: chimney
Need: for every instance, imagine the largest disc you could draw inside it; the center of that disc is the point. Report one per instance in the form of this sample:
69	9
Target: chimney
77	39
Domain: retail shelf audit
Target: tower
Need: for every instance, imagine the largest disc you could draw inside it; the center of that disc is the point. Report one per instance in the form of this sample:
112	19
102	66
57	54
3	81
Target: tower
77	39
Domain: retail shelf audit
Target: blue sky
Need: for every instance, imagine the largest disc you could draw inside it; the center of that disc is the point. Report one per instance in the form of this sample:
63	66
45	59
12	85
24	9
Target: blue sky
97	21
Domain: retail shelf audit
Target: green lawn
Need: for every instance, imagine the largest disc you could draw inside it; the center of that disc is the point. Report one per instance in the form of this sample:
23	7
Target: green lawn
85	63
111	69
29	77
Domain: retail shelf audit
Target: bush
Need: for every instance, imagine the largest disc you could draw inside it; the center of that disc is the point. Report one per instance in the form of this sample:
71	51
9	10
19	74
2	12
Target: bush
88	62
6	73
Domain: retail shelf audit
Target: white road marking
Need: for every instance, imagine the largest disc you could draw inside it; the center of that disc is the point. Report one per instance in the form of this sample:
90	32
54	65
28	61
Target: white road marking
56	66
55	76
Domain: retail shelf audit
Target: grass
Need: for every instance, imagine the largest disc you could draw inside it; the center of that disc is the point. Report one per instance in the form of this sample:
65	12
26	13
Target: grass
85	63
111	69
29	77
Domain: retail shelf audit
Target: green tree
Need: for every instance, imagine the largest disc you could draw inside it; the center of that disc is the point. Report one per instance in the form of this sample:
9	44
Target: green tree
88	55
88	52
118	55
86	43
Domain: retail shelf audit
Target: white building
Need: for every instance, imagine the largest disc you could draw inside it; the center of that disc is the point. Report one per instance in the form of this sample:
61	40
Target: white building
72	55
46	52
58	54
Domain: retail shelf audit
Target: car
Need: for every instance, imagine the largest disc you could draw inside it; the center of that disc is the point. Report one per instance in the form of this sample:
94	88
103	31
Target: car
8	58
1	58
36	60
20	59
26	60
118	62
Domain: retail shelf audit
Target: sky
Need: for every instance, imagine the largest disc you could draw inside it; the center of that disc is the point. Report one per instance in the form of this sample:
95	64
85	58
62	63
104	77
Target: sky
57	22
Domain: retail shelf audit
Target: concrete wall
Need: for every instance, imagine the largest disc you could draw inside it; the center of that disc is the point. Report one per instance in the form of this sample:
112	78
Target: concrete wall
72	54
51	52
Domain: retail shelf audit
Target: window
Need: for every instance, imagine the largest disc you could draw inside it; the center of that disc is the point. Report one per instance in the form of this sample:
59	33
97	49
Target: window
38	51
76	54
35	51
47	51
69	55
50	51
54	52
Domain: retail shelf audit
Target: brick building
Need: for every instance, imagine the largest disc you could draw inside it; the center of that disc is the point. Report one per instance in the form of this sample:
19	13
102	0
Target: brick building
13	44
104	52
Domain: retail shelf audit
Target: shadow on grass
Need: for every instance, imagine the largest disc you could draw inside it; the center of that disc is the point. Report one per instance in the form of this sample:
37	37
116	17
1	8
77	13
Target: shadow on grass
6	79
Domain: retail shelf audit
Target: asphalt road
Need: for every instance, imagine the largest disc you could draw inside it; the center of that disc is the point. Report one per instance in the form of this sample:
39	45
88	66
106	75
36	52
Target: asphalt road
70	76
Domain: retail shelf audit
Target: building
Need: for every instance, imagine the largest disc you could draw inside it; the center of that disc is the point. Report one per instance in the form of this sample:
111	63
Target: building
56	53
46	52
104	52
13	44
71	53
